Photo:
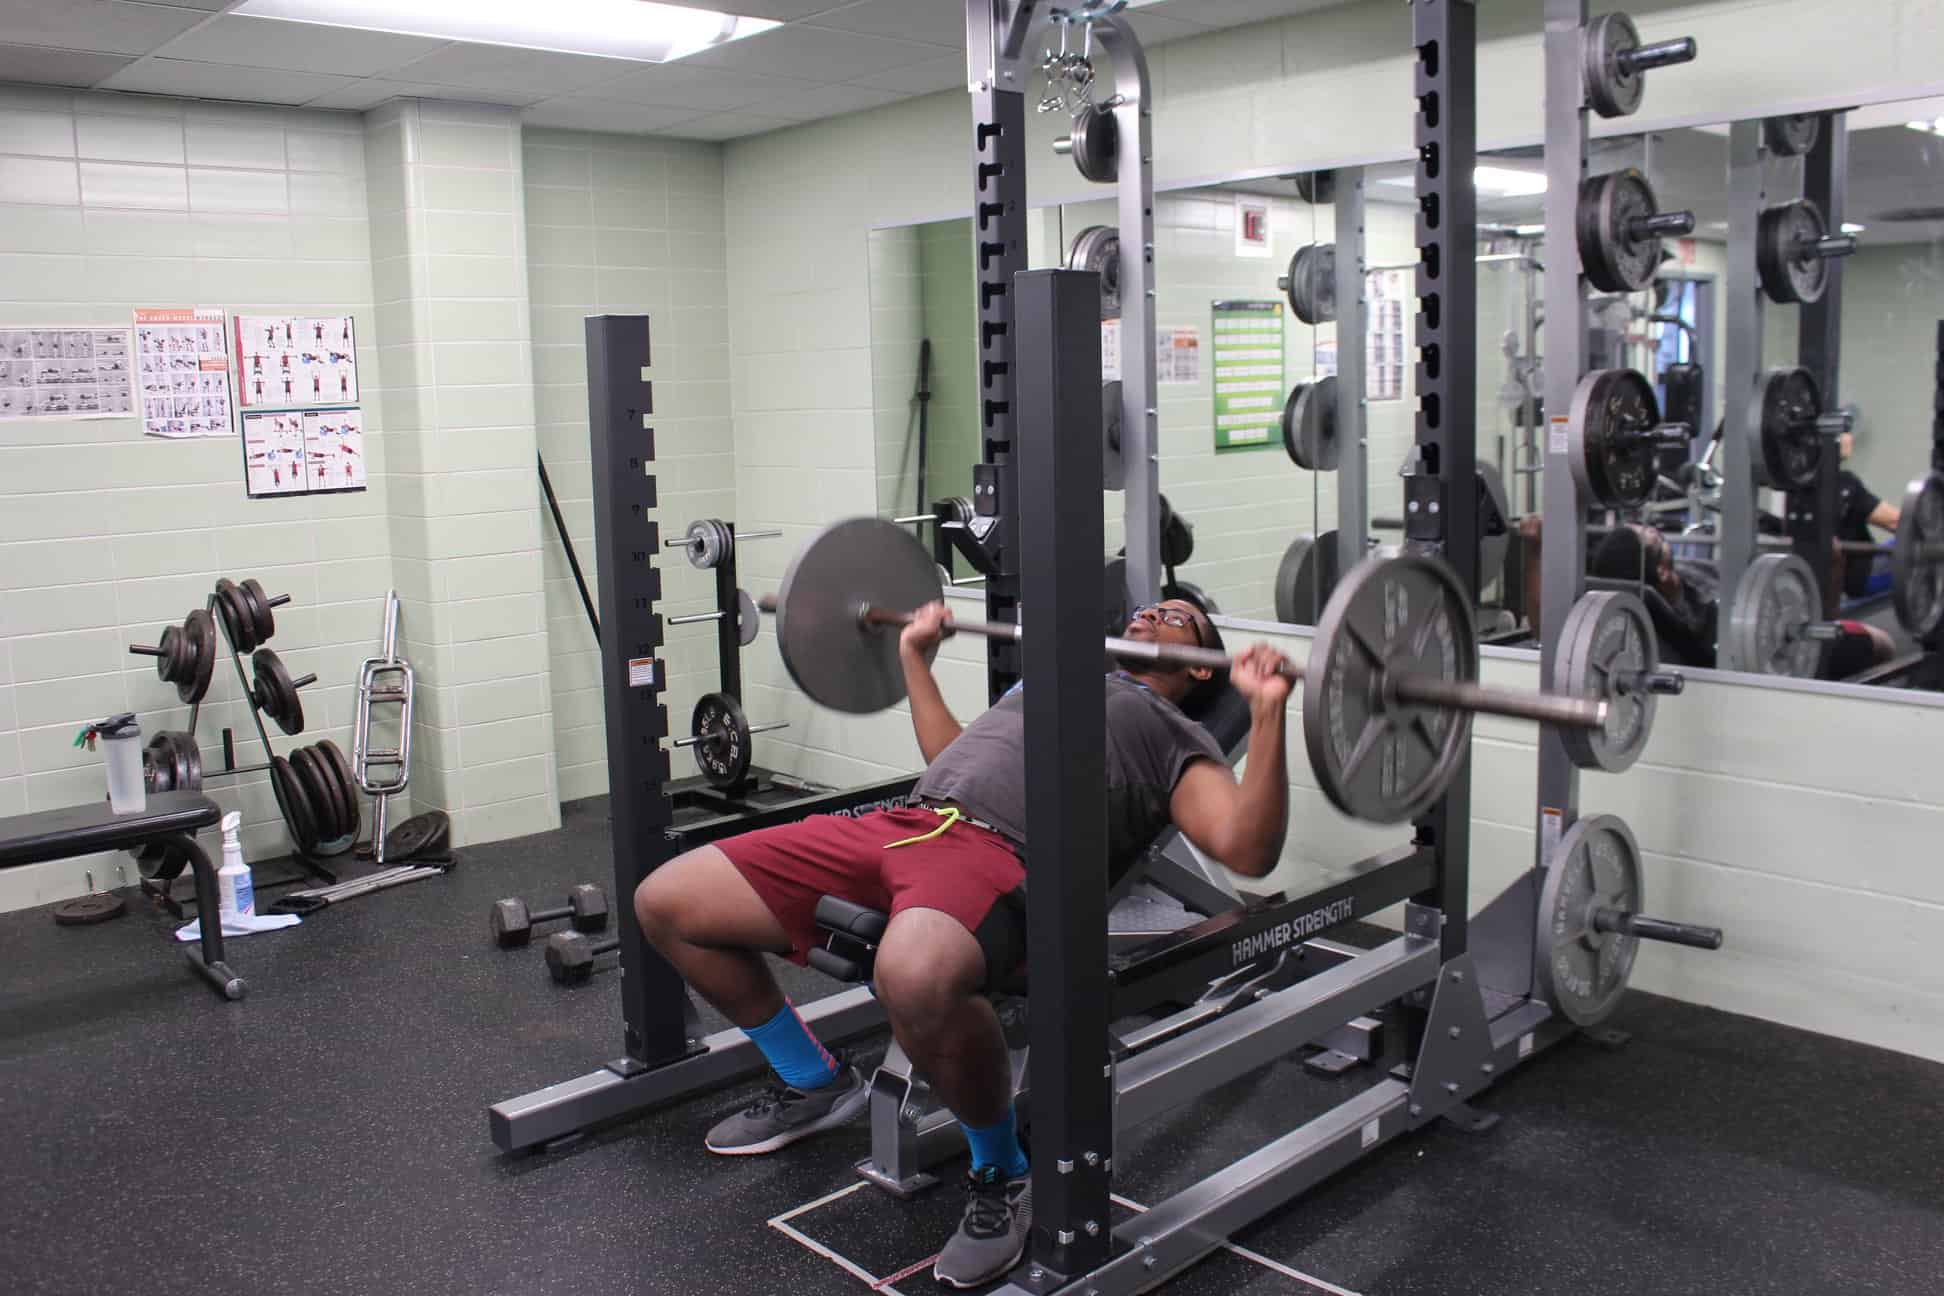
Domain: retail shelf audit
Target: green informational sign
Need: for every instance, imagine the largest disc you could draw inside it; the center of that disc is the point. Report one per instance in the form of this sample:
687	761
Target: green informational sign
1247	352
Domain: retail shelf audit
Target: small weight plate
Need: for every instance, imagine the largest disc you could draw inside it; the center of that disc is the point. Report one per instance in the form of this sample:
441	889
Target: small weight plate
260	609
1775	600
1612	259
298	815
1608	448
1097	248
1583	971
1378	757
723	752
427	835
320	791
1791	136
1789	444
834	660
1608	635
1612	88
159	764
1309	425
1310	284
1916	572
1096	144
331	756
274	692
1785	240
1113	463
1305	577
238	623
159	862
87	910
708	543
1494	524
749	623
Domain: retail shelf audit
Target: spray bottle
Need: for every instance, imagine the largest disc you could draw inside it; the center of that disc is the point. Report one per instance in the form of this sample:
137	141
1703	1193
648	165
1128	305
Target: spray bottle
233	879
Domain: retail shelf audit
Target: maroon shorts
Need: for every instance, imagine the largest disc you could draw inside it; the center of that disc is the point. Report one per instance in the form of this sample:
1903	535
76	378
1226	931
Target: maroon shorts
967	872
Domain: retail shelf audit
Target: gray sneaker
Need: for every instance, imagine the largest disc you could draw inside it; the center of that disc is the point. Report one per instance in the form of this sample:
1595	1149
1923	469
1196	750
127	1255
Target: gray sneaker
785	1114
992	1236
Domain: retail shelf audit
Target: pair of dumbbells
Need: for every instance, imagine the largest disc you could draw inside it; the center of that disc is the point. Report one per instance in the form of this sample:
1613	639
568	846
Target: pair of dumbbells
513	922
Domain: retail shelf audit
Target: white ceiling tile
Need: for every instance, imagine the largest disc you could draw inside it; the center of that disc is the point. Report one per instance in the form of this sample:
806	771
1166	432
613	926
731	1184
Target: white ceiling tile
704	90
920	78
100	26
729	125
58	67
571	113
298	47
1158	29
783	10
372	91
942	22
824	101
221	81
814	54
1235	13
489	67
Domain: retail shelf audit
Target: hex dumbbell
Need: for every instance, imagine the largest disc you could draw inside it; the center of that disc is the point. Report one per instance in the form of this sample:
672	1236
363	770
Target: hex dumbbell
571	955
513	922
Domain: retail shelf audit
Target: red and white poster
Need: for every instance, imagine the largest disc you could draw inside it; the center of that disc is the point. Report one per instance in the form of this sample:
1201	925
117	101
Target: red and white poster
296	361
182	371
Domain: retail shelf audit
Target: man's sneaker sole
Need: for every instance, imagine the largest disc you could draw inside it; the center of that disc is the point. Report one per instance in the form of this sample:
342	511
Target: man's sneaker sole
841	1112
994	1276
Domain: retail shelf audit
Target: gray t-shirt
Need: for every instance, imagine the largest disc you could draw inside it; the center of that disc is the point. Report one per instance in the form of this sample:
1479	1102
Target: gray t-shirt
1149	743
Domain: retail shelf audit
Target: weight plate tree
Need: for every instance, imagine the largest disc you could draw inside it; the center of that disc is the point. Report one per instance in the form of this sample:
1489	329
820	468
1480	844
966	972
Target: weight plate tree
1375	755
1917	571
1097	248
1309	428
1608	651
1582	970
1767	631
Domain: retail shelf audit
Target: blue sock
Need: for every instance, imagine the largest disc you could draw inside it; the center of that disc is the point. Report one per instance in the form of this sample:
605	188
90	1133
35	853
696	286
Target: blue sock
997	1145
793	1051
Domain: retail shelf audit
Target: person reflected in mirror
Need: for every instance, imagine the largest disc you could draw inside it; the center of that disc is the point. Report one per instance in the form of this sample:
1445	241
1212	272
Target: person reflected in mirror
1860	513
1688	611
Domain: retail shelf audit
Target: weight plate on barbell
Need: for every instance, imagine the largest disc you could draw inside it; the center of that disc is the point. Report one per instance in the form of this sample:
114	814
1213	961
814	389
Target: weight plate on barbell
1610	205
833	659
1917	575
1113	463
722	750
1582	970
1609	448
1788	402
1792	135
1612	88
1305	577
1785	240
334	762
1608	636
1775	601
1309	428
1096	144
1097	248
238	622
1310	284
749	623
1376	756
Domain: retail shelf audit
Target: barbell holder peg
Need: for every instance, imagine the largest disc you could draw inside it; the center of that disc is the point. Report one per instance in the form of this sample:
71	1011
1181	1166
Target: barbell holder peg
1544	708
1664	683
1835	422
692	618
1667	53
1832	245
916	519
682	542
693	739
1661	223
1063	145
1657	929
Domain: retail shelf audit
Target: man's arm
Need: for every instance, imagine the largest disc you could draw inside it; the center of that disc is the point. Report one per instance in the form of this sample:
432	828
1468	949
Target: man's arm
931	719
1242	823
1885	516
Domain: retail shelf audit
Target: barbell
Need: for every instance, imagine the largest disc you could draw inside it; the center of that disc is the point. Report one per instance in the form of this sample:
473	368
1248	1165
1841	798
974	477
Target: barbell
1390	686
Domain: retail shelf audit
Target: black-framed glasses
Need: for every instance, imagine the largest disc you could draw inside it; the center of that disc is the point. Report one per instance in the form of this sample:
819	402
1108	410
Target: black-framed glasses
1170	616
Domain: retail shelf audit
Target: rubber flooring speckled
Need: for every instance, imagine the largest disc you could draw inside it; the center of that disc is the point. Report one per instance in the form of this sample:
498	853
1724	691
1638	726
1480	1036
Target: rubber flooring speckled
328	1134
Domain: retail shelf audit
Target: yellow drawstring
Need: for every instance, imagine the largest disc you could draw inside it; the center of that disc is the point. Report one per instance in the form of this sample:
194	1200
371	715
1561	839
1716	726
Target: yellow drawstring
950	814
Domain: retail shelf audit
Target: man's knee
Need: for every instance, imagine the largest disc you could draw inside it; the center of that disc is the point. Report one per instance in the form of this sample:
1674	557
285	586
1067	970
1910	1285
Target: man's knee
926	964
667	903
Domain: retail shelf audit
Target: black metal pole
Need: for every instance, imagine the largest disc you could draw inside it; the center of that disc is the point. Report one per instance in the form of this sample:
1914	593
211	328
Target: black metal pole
923	397
1812	510
999	250
567	543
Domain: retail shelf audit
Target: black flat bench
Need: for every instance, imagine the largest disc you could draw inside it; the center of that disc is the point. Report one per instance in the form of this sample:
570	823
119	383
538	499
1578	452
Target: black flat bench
171	819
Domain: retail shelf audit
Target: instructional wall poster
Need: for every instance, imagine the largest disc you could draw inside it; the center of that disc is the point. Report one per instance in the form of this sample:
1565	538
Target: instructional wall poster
1177	354
303	452
295	361
1386	293
182	371
1110	369
1248	359
65	373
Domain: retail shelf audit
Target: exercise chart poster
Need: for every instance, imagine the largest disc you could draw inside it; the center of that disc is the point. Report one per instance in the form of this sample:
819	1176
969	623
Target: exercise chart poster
296	361
303	452
182	371
65	373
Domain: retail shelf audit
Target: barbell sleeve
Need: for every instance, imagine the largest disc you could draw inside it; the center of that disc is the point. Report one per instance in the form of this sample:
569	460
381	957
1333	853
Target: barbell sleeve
1681	49
1835	245
1666	683
1661	223
767	534
1063	145
916	519
1657	929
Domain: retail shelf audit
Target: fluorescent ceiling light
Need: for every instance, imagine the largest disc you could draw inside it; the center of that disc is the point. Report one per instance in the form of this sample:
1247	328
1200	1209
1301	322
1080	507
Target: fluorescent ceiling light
622	29
1851	227
1528	231
1492	181
1933	127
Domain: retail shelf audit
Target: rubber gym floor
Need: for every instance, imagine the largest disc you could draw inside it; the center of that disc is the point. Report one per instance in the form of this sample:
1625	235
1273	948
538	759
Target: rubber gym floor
328	1134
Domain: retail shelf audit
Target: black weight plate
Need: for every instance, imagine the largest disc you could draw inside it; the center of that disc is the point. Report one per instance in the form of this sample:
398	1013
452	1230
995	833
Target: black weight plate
1377	756
260	611
159	764
1609	451
1612	88
1791	136
334	762
159	862
87	910
238	622
199	630
187	758
1097	248
1316	186
1305	577
1096	144
298	814
274	692
1310	283
722	751
1917	574
320	791
1612	259
427	834
1113	463
1785	238
1790	446
1309	429
837	662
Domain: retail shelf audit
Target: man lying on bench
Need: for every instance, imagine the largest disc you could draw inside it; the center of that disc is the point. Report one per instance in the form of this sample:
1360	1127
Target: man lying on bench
949	869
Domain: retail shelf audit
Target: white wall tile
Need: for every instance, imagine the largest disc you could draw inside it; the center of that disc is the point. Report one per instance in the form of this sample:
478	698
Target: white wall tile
39	180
